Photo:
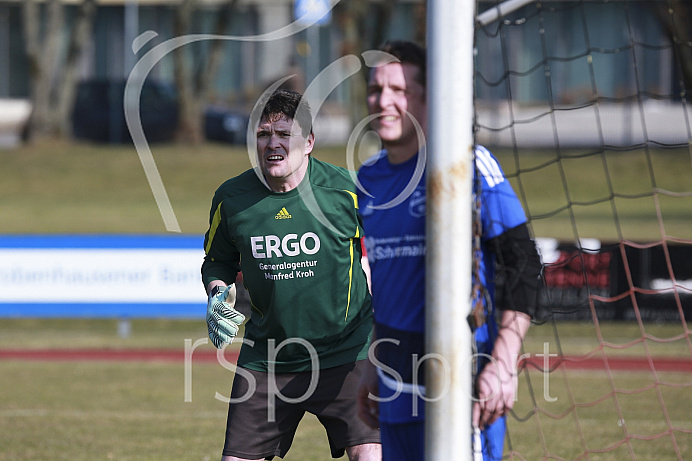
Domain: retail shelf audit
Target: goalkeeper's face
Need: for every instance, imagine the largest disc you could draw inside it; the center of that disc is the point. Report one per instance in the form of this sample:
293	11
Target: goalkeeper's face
396	96
283	152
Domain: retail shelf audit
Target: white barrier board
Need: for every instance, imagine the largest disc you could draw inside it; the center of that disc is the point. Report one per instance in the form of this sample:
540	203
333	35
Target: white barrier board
101	275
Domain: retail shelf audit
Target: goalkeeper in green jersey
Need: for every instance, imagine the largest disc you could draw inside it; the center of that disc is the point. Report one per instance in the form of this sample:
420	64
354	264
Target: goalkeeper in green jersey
292	223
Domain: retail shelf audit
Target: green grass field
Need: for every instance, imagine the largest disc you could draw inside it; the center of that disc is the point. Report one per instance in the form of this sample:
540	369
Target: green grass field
122	410
88	188
139	410
66	410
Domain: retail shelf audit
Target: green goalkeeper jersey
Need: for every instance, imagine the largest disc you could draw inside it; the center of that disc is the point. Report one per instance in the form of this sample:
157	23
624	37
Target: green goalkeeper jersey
300	254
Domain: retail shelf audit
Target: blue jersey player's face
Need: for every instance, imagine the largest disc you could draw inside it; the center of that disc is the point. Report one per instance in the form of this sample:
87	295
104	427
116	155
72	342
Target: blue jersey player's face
396	96
283	152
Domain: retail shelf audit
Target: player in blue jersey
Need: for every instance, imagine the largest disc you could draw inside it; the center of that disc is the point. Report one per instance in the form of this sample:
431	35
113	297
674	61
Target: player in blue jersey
392	205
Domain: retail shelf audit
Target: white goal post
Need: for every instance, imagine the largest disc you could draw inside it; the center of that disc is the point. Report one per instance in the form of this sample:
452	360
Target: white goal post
449	387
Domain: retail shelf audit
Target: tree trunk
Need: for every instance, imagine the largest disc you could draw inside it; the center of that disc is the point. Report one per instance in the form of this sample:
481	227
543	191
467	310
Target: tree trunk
352	18
674	17
189	113
41	56
193	87
53	79
67	89
215	57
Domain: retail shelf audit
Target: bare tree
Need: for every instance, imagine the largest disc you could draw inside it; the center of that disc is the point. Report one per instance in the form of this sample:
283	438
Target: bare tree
194	84
52	70
675	16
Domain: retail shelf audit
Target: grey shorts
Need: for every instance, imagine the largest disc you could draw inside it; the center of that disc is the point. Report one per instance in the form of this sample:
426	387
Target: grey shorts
262	424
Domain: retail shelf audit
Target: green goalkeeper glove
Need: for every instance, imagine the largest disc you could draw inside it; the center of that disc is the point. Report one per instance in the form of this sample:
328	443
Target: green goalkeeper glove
223	320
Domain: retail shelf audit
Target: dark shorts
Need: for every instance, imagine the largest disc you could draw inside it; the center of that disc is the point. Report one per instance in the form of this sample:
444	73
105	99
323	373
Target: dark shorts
261	424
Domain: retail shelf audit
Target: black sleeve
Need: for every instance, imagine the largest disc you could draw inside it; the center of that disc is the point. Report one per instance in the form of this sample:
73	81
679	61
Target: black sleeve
518	270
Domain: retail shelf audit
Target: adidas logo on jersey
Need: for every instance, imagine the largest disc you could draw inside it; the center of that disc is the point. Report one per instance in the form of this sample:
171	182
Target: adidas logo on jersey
283	214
